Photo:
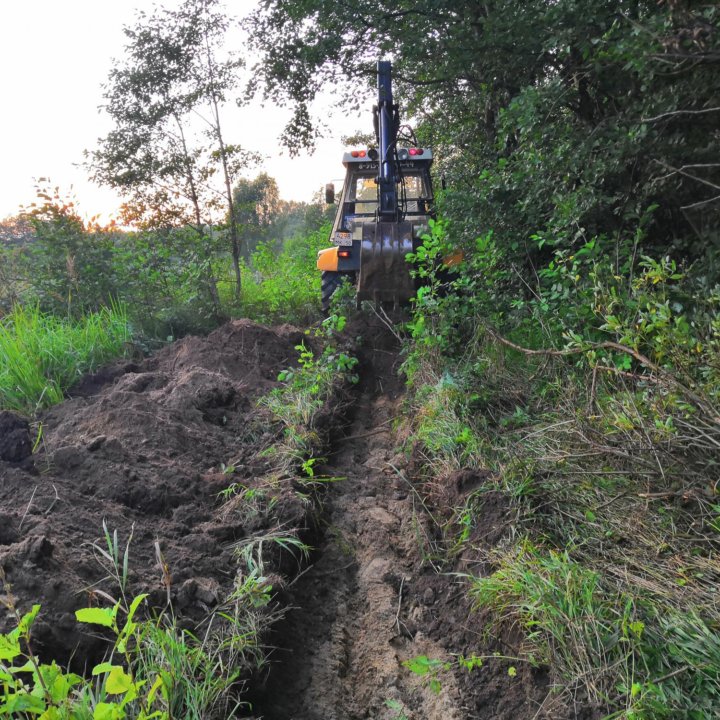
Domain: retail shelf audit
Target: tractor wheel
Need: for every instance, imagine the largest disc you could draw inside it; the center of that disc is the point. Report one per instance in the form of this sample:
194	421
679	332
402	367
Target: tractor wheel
331	281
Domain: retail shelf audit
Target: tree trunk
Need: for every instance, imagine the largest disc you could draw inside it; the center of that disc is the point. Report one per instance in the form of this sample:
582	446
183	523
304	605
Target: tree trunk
234	235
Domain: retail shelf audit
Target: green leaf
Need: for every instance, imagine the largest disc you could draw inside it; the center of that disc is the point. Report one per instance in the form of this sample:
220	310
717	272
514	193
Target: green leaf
108	711
102	668
28	619
118	681
134	605
22	702
512	671
435	686
96	616
420	665
9	647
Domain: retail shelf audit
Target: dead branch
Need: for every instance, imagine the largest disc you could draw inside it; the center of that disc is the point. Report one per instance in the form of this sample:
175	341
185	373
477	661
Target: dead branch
610	345
679	112
702	202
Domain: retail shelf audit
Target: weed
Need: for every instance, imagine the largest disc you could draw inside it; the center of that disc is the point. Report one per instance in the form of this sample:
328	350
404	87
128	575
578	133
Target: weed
429	669
398	709
602	449
252	551
305	394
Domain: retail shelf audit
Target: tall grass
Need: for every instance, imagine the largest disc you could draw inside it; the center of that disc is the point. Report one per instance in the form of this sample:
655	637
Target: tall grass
41	355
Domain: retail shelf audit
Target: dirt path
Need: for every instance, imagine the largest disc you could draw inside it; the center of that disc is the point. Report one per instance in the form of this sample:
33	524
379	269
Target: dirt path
369	601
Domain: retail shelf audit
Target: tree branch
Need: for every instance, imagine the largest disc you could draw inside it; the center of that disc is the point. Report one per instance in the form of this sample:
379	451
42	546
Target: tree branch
680	112
610	345
702	202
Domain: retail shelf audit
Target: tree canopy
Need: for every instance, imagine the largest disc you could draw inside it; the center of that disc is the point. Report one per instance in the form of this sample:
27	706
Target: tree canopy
563	120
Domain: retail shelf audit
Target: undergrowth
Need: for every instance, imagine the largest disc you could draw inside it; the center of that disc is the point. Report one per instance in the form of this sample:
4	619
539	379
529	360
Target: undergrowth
310	396
41	355
283	285
602	434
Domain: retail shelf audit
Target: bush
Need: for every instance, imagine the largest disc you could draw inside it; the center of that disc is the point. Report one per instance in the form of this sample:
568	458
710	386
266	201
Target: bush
284	285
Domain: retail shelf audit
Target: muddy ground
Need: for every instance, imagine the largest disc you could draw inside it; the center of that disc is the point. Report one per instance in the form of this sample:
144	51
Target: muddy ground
147	447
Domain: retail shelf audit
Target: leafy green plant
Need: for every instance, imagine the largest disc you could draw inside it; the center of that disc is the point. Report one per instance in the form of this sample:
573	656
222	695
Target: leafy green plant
283	284
397	708
306	392
429	669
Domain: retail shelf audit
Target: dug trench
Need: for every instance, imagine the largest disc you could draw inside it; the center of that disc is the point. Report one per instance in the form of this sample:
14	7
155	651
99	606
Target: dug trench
378	619
373	623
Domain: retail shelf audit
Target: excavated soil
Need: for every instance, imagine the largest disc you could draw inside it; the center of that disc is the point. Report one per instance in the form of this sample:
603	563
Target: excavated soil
146	447
139	447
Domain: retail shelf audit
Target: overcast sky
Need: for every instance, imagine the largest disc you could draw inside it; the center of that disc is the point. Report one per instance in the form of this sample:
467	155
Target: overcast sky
54	57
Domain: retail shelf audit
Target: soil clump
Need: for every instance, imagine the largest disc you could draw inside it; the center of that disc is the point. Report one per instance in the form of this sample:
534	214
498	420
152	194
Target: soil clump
15	443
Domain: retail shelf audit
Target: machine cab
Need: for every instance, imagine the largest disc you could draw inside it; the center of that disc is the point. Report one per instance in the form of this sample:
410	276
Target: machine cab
358	202
366	250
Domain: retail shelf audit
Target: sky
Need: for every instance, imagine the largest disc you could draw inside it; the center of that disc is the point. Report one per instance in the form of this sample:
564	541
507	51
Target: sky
54	58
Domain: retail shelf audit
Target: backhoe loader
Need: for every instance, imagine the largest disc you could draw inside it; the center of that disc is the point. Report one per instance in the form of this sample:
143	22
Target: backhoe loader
382	211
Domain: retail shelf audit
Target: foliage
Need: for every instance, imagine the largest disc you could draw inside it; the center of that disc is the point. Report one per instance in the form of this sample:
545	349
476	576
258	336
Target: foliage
41	356
176	70
565	120
172	281
256	204
284	285
593	405
154	668
301	402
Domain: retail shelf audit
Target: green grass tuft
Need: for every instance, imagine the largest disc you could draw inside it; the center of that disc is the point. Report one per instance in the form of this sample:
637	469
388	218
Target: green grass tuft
41	356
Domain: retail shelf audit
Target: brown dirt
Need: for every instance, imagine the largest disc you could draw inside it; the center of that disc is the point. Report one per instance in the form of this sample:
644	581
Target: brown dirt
140	446
15	443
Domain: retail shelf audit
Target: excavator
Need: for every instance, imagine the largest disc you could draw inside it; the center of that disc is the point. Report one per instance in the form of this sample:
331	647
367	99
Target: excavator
382	211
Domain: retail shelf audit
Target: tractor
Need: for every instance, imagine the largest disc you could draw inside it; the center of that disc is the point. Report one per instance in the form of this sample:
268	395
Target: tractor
382	211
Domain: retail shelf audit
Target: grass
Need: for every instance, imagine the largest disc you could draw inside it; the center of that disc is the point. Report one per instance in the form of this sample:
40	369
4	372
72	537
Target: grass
305	396
41	356
283	285
154	668
610	565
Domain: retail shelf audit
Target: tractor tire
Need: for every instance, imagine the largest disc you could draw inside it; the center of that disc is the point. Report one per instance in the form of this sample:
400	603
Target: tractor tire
330	282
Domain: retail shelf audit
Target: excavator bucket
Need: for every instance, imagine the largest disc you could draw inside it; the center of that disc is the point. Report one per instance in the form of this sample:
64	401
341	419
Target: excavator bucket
384	273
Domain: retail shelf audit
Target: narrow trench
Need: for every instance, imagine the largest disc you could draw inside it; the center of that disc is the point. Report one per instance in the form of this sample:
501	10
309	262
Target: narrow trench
308	640
340	648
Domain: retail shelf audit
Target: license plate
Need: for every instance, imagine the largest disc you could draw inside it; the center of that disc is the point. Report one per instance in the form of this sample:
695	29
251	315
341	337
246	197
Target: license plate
343	238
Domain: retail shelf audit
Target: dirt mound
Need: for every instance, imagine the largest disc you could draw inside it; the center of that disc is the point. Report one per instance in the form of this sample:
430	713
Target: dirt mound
140	447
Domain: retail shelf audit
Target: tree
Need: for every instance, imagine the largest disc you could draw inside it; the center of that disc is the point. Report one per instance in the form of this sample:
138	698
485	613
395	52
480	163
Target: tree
547	117
257	207
68	266
168	144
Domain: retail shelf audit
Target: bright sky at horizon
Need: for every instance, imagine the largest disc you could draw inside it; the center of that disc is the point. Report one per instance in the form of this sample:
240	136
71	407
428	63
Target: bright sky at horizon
55	56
